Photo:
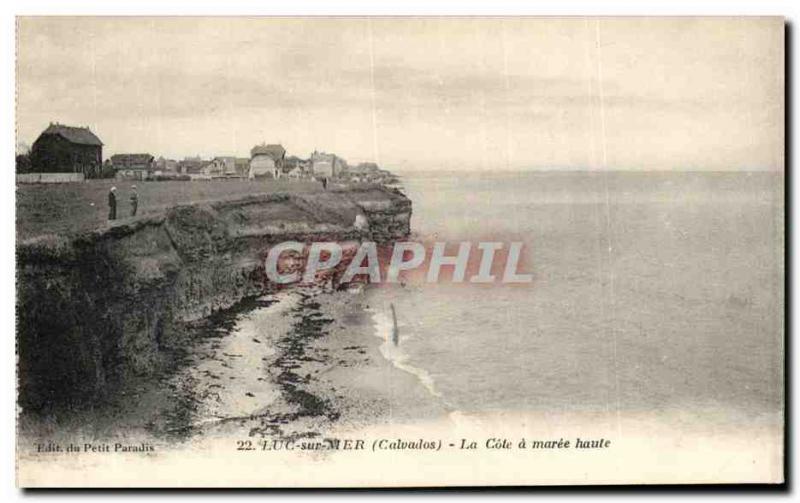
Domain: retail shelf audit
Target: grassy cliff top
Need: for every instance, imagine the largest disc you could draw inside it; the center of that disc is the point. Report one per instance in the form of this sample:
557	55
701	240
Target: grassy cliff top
58	211
71	208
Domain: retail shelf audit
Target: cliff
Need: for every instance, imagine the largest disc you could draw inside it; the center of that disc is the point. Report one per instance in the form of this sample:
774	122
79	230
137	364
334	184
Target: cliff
97	308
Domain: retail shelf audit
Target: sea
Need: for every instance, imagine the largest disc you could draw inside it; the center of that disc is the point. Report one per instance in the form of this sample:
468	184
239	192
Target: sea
652	292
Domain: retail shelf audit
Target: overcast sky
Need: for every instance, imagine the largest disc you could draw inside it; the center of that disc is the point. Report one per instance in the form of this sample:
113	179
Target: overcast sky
410	93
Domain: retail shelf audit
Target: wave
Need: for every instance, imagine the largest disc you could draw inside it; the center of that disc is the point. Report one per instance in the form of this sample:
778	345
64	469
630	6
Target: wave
395	354
399	358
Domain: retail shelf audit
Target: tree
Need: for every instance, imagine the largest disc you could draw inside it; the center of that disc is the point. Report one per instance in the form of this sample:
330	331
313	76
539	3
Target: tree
107	171
23	163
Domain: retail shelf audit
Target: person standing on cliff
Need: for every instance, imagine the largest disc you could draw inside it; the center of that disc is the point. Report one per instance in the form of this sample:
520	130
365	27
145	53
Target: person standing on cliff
134	201
112	203
325	183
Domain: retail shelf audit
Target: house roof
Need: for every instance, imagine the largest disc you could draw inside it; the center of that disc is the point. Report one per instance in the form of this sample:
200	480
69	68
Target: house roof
275	151
78	135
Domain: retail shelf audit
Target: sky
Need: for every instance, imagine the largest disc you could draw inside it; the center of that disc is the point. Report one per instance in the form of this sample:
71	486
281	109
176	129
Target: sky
416	93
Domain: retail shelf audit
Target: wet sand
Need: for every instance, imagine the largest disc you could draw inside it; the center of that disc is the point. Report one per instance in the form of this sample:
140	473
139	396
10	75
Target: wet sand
299	363
368	389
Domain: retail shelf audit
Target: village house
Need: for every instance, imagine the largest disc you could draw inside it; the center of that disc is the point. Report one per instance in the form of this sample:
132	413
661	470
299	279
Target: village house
242	165
215	168
365	168
294	167
67	149
166	165
228	167
219	165
325	165
192	165
362	172
133	166
266	160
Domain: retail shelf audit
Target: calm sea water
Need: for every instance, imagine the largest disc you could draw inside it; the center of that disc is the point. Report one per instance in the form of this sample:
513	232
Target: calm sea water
656	292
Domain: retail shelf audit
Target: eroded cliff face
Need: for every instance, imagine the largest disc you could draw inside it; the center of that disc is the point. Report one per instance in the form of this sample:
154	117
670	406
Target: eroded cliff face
95	309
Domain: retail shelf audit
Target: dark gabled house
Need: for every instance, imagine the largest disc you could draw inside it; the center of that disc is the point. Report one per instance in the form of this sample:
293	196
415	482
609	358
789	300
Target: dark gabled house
67	149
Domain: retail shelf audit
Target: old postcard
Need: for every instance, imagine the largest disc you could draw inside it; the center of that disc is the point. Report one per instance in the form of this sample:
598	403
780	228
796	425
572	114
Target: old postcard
399	251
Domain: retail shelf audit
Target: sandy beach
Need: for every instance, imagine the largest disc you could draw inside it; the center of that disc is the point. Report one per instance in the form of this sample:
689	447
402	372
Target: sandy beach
305	362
